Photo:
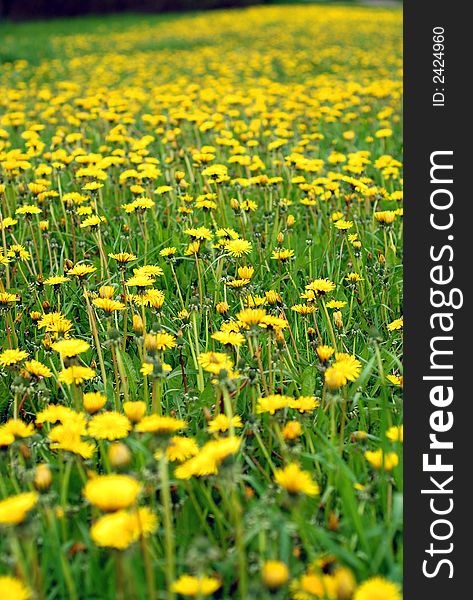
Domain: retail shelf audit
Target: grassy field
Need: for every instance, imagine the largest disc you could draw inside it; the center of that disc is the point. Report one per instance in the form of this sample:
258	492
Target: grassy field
201	306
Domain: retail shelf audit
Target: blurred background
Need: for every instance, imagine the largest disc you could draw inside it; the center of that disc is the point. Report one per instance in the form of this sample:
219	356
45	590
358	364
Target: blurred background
20	9
33	9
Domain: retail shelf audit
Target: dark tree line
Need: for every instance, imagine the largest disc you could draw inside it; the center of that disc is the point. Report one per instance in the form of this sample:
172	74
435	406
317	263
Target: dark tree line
31	9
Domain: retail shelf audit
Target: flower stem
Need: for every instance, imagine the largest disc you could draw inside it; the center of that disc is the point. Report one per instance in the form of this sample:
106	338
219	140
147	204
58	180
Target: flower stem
168	526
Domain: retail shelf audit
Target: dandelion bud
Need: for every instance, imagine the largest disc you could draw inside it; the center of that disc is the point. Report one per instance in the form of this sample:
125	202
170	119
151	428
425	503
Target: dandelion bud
137	324
382	259
151	343
337	319
280	237
359	435
25	451
333	522
44	225
311	333
119	455
35	315
179	176
274	574
68	264
42	477
290	220
46	306
234	204
47	343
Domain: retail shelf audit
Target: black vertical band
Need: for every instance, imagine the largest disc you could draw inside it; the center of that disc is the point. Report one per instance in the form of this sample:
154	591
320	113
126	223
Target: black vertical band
437	135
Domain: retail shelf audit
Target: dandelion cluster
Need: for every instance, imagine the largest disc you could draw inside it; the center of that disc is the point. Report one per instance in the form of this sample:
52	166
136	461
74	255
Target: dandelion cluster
201	308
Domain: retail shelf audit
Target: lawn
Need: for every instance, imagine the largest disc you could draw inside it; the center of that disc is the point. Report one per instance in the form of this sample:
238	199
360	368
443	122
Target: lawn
201	306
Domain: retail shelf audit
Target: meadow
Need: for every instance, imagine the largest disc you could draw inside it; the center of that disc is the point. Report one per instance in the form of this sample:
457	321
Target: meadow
201	306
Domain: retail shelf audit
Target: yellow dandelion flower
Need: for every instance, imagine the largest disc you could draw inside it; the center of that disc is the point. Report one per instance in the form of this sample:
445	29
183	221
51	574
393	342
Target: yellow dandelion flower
188	585
214	362
34	368
270	404
17	428
108	305
292	430
168	251
135	411
380	460
123	257
395	433
181	448
14	509
229	338
12	588
251	316
109	425
112	492
396	324
93	402
238	247
343	225
282	254
158	424
320	287
395	379
385	217
378	588
12	357
70	347
304	309
76	374
221	424
28	210
56	280
274	574
304	404
81	271
296	481
336	304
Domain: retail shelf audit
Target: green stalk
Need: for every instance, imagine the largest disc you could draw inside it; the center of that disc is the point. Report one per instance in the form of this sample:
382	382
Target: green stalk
169	550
